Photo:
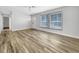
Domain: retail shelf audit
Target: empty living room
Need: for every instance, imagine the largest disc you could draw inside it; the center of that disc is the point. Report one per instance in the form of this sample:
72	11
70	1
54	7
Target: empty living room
39	29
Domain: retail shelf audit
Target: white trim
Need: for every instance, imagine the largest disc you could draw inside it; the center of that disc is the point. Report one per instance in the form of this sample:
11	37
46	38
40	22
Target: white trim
68	35
20	29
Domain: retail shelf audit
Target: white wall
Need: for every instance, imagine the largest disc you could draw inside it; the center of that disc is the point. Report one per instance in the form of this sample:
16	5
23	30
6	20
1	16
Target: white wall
70	22
20	21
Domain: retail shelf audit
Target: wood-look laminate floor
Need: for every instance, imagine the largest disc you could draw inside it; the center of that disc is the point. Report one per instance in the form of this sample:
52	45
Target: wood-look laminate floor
34	41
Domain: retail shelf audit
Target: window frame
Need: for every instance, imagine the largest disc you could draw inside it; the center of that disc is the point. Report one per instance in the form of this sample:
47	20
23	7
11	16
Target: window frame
47	21
59	12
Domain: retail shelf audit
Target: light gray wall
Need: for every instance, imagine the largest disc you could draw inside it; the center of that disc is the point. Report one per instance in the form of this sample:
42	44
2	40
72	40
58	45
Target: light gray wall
70	21
20	21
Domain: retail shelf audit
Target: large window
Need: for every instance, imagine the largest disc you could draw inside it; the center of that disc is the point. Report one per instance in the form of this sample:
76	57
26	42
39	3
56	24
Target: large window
44	21
52	21
56	21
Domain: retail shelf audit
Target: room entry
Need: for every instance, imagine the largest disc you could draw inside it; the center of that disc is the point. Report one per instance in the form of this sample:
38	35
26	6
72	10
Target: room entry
5	22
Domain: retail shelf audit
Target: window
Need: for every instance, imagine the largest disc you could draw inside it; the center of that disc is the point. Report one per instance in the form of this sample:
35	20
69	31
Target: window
56	21
52	21
44	21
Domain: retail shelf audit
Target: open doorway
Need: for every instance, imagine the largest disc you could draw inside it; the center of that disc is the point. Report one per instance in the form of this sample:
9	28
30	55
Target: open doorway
5	23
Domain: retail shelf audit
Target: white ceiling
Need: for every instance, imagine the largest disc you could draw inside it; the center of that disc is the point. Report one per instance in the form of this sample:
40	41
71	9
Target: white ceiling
25	9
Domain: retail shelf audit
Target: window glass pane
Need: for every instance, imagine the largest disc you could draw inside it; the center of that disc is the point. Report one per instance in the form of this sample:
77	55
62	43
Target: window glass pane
44	21
57	24
60	24
54	17
44	18
43	24
59	17
56	21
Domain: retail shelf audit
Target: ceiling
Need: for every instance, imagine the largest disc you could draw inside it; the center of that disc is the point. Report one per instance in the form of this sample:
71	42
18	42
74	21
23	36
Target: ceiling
28	10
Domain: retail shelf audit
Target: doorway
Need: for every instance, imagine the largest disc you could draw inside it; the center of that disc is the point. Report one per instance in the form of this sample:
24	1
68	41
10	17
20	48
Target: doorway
5	23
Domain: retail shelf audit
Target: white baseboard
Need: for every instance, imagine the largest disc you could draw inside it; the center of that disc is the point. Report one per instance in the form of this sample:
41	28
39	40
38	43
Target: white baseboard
68	35
20	29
